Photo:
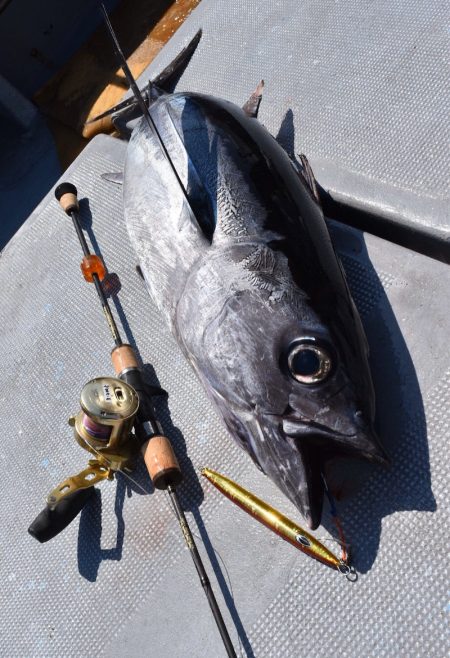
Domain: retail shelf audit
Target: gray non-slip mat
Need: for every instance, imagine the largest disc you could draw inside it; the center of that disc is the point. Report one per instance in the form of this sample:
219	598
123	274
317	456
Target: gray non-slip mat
119	581
360	87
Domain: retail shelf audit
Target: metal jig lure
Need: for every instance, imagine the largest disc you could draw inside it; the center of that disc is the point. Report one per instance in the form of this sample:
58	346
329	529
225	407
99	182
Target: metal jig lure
278	523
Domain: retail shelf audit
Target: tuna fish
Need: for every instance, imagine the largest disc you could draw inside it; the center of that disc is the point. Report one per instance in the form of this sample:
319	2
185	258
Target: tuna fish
237	256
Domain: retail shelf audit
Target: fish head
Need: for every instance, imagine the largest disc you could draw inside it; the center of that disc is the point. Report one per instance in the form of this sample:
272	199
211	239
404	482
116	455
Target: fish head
292	381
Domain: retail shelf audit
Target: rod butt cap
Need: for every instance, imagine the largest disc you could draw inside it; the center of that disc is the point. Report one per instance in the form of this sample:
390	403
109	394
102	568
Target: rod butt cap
66	194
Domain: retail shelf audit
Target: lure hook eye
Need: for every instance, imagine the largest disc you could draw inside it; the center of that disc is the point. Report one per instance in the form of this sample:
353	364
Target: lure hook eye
348	571
309	362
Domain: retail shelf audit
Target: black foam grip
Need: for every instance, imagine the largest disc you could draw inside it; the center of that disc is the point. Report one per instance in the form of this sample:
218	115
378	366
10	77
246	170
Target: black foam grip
50	522
65	188
146	412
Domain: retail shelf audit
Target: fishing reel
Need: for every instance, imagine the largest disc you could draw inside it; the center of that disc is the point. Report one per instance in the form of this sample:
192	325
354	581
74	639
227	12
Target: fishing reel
103	427
115	424
104	424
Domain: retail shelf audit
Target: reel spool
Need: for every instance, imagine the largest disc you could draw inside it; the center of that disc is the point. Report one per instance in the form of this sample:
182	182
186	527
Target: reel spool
103	427
104	424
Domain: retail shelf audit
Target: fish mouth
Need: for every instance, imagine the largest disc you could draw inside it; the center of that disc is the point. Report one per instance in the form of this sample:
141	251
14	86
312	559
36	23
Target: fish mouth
360	441
301	449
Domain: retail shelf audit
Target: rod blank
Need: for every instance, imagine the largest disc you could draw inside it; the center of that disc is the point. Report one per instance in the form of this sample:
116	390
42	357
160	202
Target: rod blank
159	457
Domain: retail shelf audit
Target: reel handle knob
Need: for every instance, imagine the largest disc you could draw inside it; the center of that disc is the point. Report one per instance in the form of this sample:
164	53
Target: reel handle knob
50	522
66	194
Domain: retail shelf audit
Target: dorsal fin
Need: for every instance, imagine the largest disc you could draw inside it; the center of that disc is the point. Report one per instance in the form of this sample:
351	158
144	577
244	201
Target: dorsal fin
251	107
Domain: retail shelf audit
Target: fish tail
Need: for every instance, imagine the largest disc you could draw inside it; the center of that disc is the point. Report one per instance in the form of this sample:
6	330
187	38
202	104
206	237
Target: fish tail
165	82
168	78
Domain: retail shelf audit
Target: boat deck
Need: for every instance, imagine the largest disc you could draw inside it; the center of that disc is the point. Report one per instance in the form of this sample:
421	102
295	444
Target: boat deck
119	581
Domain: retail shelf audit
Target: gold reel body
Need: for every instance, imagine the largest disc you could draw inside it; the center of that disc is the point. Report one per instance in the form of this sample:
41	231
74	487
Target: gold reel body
103	427
104	424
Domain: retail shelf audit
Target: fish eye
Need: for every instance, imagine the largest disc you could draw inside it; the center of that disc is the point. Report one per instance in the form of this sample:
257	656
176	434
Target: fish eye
309	362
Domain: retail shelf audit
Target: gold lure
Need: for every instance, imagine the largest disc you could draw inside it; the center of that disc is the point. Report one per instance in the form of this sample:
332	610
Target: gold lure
275	521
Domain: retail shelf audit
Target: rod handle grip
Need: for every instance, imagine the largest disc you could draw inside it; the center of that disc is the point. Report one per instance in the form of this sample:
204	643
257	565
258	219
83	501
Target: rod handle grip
161	462
159	456
124	358
66	194
50	522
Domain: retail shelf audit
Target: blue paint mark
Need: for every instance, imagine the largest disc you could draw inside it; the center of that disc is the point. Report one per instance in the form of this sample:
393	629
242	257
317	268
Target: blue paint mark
59	370
32	585
50	467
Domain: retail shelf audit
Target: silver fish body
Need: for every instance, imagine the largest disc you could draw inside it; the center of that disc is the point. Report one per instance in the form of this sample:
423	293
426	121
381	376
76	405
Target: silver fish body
246	276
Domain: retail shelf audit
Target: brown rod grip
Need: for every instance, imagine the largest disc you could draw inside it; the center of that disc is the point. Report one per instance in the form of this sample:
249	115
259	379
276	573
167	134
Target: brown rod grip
69	203
161	462
123	357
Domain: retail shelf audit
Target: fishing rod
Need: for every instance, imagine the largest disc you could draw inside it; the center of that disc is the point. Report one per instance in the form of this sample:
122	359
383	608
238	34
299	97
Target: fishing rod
141	102
110	409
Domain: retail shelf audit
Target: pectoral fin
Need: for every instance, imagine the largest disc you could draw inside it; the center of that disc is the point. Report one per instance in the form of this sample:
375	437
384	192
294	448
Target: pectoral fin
114	177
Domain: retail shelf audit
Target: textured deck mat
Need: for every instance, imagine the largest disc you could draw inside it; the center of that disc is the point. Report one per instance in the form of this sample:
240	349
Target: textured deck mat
360	87
119	582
